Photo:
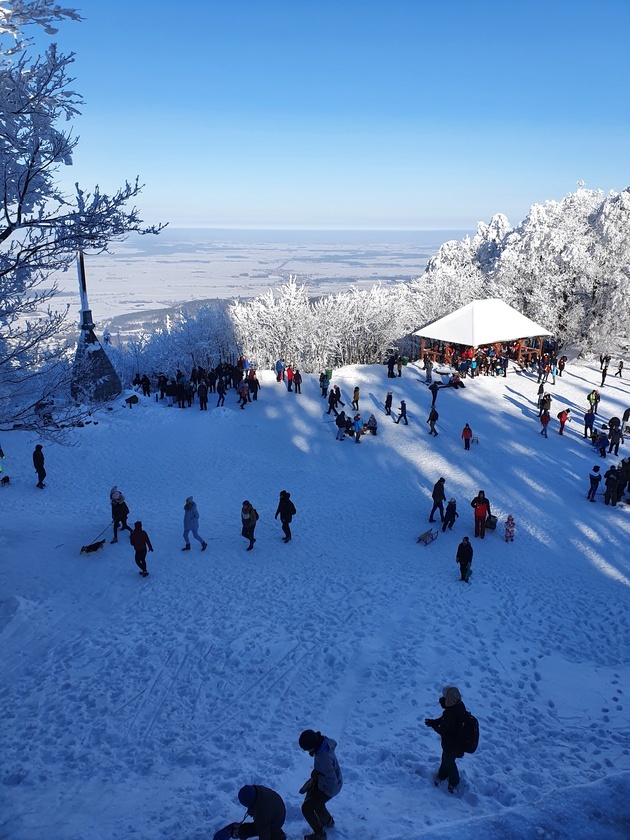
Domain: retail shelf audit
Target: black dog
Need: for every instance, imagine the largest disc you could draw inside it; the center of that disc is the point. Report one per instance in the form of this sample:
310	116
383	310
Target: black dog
5	480
90	549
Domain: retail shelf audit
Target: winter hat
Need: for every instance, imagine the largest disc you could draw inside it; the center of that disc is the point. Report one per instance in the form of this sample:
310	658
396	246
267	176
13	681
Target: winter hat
309	740
451	695
595	469
284	494
510	518
465	539
451	501
247	796
189	500
246	503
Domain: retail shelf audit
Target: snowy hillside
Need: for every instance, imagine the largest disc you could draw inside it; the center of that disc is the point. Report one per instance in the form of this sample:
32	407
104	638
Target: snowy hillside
134	709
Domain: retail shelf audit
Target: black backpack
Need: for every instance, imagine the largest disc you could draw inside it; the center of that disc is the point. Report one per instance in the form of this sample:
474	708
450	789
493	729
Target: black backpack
469	733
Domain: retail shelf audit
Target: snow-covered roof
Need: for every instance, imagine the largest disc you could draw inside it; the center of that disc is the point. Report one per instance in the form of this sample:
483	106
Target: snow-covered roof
482	322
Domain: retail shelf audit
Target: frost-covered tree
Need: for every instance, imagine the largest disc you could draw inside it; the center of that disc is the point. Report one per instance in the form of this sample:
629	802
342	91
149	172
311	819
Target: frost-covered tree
41	228
190	339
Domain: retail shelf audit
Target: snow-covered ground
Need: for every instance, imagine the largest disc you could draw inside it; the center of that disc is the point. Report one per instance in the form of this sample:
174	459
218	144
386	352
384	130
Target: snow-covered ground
136	708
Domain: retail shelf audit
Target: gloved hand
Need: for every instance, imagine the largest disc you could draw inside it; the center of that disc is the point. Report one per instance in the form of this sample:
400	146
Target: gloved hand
308	784
429	722
233	829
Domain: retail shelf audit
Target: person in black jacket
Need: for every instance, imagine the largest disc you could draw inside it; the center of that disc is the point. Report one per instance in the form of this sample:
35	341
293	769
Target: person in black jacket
340	423
388	403
120	512
38	463
439	497
464	558
286	511
449	728
267	810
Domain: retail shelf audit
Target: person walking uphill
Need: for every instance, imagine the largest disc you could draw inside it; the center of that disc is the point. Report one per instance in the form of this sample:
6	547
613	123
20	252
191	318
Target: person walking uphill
268	813
325	782
38	463
482	510
139	539
249	518
449	727
191	523
286	511
120	512
355	399
464	557
438	495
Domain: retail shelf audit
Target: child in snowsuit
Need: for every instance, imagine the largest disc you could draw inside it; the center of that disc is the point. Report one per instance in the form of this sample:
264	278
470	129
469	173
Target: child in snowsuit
510	527
325	782
450	515
267	810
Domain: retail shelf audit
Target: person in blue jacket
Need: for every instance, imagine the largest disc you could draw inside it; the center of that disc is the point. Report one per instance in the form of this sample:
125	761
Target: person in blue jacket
191	523
325	782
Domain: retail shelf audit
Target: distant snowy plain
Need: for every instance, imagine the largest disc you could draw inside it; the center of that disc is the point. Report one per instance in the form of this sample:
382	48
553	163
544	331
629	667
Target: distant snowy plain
145	276
134	709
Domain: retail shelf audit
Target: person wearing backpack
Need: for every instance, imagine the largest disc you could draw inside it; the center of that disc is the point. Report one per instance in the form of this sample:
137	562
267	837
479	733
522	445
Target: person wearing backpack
450	728
563	417
286	511
249	518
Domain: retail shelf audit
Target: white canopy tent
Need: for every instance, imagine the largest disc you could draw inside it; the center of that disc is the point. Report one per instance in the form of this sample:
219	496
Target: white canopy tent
482	322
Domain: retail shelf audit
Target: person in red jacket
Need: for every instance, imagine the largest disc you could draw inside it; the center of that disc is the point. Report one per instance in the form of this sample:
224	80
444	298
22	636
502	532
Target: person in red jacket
563	416
466	436
544	420
139	539
482	511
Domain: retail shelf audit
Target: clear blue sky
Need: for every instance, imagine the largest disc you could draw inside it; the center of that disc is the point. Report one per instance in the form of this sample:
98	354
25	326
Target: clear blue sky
351	113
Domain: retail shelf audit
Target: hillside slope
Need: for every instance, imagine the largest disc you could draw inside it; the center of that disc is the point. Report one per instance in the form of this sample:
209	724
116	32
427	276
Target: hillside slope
136	708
